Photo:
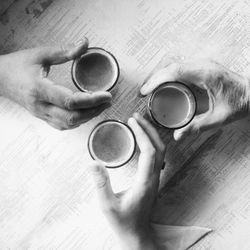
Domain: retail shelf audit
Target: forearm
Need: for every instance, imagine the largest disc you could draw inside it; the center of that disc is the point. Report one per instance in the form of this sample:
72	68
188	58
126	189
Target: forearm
3	91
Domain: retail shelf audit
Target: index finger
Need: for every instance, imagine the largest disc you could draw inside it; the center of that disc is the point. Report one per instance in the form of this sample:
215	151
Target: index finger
155	139
61	54
189	73
147	155
65	98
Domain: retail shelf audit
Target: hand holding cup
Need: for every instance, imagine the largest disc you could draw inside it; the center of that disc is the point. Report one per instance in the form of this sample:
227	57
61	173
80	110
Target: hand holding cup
228	92
24	79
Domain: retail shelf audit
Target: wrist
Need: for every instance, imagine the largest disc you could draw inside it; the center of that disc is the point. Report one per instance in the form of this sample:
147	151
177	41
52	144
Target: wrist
143	240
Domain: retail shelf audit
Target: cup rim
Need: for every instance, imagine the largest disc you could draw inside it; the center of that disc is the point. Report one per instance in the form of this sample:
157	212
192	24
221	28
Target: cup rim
74	63
127	127
151	99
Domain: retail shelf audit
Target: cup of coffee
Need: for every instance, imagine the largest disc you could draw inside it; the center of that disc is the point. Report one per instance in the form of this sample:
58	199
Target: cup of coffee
95	70
172	105
112	142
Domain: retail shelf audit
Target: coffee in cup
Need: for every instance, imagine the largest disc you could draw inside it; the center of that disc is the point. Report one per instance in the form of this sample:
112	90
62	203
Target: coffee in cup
95	70
112	142
172	105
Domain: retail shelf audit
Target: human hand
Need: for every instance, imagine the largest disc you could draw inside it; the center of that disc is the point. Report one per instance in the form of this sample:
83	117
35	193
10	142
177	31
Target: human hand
129	212
24	79
228	92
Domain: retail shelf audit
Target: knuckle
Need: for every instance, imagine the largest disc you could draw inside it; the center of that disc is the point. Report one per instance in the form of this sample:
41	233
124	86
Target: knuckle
195	129
101	181
109	208
71	120
63	48
65	51
33	106
32	94
69	103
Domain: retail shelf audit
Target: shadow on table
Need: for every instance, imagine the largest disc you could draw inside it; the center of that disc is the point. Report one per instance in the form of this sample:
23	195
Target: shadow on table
185	197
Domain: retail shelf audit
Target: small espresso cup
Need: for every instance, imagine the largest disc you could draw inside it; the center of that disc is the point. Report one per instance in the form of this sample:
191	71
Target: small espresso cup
95	70
172	105
112	142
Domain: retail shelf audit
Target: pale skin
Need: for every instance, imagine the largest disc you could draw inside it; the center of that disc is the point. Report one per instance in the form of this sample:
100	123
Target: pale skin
129	212
24	80
228	92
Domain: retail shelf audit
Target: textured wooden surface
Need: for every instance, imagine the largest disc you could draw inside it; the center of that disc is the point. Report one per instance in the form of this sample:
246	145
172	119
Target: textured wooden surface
46	195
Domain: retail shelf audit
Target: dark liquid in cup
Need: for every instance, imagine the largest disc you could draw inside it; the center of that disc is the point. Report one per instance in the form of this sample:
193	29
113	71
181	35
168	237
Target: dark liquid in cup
95	72
170	106
173	105
112	143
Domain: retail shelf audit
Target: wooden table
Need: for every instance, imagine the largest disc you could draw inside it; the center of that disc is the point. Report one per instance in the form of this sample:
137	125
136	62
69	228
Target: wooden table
46	194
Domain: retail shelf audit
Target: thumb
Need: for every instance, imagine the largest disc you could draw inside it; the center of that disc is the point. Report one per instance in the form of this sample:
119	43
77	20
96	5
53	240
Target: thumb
62	54
202	122
219	111
192	128
102	183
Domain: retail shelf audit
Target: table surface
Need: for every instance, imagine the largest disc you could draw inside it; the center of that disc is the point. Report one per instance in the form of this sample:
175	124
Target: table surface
46	194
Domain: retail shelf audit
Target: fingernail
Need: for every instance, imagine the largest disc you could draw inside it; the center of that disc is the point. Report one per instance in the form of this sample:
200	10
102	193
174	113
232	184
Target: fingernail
78	43
142	90
139	94
131	120
178	135
105	93
136	115
108	94
81	41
